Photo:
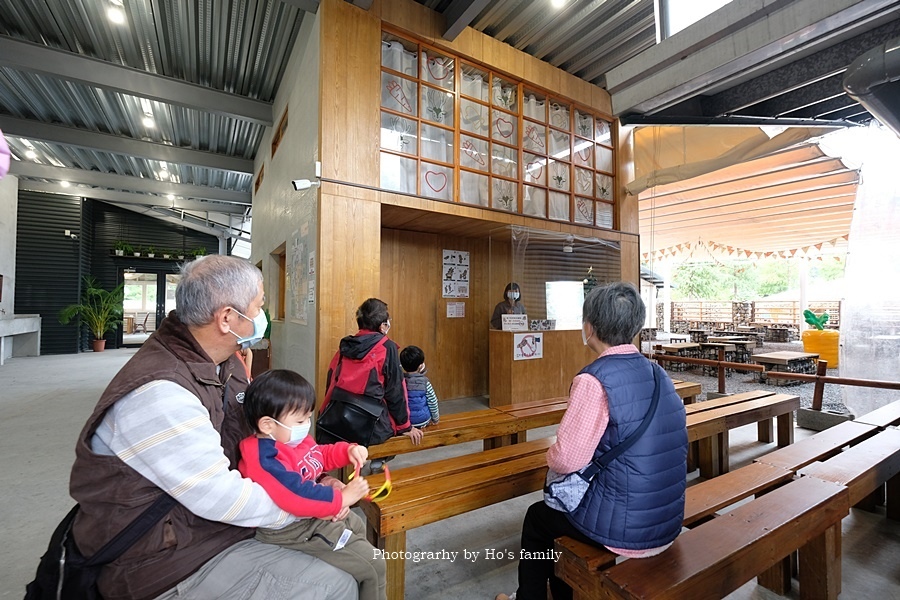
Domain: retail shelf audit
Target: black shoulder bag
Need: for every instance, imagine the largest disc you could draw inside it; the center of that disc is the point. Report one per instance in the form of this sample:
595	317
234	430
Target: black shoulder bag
564	492
64	574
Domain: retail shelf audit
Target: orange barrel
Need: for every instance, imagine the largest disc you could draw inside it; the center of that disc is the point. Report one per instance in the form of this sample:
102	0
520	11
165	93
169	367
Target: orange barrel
825	343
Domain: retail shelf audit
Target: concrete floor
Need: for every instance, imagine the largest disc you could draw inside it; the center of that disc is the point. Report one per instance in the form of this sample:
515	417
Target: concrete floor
46	400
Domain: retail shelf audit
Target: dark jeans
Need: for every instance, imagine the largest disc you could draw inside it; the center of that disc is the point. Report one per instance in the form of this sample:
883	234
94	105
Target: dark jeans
543	525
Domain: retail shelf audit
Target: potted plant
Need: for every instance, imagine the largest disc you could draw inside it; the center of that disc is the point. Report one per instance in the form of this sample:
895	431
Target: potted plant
138	250
180	254
198	252
167	253
121	247
151	251
99	309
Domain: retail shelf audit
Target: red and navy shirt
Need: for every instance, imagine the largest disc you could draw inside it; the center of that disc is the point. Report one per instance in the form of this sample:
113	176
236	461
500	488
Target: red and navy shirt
289	474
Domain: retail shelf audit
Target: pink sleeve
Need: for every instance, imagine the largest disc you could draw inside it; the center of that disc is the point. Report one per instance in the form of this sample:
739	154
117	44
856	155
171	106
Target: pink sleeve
581	427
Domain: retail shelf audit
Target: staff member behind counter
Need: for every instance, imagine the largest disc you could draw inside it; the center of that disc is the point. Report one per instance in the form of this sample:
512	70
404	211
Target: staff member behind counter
510	305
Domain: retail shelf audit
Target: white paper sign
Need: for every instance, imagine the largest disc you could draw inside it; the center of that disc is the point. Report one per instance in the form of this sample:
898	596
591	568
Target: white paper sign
456	310
528	346
514	322
455	274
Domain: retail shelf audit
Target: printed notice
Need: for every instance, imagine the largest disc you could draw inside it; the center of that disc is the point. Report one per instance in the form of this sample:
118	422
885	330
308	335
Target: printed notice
455	274
528	346
456	310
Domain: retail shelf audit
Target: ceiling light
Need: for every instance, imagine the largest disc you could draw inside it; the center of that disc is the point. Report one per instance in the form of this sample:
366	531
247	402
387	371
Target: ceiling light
163	174
557	3
148	122
30	154
64	183
171	196
116	15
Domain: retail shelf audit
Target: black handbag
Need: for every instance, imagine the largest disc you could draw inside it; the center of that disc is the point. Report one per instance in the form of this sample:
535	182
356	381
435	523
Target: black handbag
349	417
65	574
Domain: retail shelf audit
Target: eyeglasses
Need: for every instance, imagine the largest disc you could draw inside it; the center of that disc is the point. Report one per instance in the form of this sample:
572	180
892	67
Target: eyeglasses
382	492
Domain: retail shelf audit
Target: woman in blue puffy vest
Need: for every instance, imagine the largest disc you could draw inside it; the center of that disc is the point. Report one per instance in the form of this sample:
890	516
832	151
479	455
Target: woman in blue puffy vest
635	506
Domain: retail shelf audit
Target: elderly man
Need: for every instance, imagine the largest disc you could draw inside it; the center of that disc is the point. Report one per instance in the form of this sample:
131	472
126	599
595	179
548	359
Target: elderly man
634	507
169	422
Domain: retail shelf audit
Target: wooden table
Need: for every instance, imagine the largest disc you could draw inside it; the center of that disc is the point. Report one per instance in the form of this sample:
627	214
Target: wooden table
128	323
786	362
698	336
685	349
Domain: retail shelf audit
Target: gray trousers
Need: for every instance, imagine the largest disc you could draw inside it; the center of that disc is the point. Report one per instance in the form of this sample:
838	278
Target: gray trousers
251	570
317	537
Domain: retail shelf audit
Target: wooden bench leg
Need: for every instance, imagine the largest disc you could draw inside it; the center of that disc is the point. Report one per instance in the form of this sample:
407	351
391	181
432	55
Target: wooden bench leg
713	455
497	442
765	431
785	429
871	502
892	503
777	578
396	567
693	453
820	566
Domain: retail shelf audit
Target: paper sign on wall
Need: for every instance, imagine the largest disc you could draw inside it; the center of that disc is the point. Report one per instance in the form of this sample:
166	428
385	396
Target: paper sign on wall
456	310
528	346
455	274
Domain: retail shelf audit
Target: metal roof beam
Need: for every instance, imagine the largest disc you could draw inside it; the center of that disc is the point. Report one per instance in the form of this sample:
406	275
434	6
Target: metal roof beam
798	73
236	201
459	15
92	140
310	6
35	58
125	197
802	97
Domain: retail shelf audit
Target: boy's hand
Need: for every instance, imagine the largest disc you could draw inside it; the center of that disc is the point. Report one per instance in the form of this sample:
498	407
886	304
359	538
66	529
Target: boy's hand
332	482
415	436
354	491
358	455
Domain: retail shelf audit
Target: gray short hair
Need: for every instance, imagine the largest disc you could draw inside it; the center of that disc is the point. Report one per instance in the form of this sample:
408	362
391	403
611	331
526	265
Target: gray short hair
615	311
213	282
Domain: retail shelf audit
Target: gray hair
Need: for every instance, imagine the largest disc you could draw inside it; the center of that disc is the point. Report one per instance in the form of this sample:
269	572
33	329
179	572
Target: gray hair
212	282
615	311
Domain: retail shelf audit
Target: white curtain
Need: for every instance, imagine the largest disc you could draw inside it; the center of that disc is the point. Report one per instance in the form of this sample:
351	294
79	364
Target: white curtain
395	56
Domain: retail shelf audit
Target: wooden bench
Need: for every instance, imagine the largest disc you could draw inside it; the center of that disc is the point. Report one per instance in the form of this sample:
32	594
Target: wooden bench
821	446
885	416
719	556
438	490
709	422
864	469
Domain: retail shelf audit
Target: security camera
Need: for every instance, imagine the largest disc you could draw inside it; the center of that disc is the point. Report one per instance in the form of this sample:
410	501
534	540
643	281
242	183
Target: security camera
303	184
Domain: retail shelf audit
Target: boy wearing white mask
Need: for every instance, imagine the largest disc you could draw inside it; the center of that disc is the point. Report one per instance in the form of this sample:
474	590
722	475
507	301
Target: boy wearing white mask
285	460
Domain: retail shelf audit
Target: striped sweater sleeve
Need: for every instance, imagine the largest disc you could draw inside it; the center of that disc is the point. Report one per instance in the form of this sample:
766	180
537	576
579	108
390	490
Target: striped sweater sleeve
432	400
163	432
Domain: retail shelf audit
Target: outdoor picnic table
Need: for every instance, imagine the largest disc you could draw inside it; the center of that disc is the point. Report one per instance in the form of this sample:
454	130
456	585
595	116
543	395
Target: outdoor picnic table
786	362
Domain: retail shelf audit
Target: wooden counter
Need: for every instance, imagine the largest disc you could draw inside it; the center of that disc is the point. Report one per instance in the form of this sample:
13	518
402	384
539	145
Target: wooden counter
516	381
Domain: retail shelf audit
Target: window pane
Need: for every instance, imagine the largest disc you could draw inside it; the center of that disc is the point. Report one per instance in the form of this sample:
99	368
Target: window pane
473	117
534	202
604	159
604	215
503	94
399	55
584	153
473	188
584	211
473	153
474	83
584	182
398	173
504	195
504	161
559	206
503	127
437	106
535	106
602	132
398	94
437	69
604	187
437	181
584	124
535	169
559	115
559	144
559	176
534	137
398	134
437	143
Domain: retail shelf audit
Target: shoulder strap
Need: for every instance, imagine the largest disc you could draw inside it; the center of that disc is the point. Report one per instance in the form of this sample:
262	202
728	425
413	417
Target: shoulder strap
132	532
609	456
337	368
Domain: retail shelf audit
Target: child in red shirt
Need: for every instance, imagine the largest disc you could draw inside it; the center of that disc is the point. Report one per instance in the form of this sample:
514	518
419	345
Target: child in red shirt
289	465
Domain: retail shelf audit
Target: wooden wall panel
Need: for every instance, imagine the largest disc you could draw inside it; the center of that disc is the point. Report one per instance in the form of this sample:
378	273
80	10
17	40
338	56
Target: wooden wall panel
455	349
349	84
626	205
348	270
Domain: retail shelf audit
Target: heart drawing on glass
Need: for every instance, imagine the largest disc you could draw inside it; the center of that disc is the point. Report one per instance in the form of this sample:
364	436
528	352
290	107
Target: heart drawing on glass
585	155
440	68
535	170
396	92
436	181
472	152
504	127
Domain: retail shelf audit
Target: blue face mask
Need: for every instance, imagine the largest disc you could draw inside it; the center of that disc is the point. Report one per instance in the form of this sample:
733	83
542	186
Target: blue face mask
298	433
259	330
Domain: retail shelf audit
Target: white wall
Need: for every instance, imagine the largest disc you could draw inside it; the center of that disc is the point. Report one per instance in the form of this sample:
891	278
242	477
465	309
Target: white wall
9	209
284	216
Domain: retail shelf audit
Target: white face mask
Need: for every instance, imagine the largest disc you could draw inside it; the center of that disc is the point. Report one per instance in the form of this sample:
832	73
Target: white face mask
298	433
585	337
512	295
259	329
